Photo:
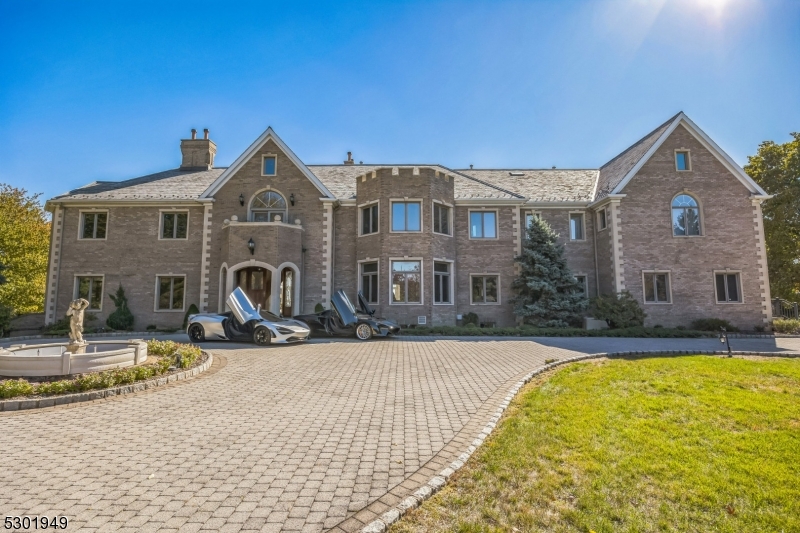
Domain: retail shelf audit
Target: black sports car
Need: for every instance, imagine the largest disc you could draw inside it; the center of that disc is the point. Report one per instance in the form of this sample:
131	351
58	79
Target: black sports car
344	319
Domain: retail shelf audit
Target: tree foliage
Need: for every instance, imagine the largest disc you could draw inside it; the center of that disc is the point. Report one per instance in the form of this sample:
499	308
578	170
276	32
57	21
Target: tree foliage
121	318
776	167
24	246
548	295
618	310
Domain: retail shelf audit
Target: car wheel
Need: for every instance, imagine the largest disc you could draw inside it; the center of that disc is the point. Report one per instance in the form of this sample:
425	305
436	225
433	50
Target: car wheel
364	331
262	336
197	333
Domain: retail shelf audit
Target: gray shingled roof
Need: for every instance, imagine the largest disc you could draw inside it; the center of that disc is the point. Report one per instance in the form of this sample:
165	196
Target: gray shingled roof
168	185
612	173
341	181
541	185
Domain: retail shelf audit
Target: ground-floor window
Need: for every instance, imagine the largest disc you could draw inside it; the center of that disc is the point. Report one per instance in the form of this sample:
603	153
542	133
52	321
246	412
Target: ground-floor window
406	282
90	288
485	289
170	293
656	288
369	281
728	287
441	283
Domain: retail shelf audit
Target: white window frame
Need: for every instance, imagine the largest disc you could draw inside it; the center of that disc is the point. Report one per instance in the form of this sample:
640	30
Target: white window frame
360	264
89	275
265	156
452	275
156	295
393	201
700	213
583	225
738	279
361	208
421	279
94	212
496	225
669	286
576	275
450	210
688	159
485	274
603	212
250	212
161	213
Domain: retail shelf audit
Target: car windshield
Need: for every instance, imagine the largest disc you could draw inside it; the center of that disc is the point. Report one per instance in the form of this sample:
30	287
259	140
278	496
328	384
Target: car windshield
272	318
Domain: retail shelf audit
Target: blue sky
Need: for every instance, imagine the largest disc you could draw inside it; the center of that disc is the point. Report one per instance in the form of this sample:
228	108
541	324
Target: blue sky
105	90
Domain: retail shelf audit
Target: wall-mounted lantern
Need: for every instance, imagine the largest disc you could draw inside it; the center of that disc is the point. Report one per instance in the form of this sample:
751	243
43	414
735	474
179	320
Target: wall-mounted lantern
241	200
291	198
252	246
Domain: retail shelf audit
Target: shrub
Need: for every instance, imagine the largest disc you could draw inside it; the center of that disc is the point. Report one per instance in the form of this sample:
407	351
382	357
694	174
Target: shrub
58	327
121	318
161	348
5	320
786	325
193	310
618	310
187	355
151	327
712	324
15	387
470	318
319	308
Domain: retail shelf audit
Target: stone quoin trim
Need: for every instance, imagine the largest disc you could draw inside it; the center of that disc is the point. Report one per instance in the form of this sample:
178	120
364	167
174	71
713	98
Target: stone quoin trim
327	252
205	258
761	253
616	248
56	234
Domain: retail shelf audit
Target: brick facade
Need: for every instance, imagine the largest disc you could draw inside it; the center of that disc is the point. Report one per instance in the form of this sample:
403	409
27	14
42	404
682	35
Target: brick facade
320	239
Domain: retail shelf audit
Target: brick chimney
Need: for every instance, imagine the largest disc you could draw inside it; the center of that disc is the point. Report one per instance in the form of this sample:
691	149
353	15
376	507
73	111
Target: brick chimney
349	160
198	154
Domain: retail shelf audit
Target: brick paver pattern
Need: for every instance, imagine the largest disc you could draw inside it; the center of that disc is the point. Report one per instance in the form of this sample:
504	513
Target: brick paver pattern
291	438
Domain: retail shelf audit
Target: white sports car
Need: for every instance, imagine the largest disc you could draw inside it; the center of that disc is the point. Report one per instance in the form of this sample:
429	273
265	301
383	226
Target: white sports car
245	323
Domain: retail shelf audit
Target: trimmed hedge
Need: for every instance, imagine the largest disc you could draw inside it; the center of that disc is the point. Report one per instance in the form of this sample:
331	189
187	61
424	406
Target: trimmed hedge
786	325
170	353
527	331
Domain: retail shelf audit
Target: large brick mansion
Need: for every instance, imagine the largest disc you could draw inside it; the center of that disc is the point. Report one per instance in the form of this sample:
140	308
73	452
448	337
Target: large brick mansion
672	219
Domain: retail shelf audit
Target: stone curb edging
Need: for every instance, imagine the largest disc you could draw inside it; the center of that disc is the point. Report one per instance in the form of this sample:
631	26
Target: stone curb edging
711	335
36	403
131	334
438	481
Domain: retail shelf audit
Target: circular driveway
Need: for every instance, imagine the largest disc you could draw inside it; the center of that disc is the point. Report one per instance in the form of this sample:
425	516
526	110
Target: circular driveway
285	438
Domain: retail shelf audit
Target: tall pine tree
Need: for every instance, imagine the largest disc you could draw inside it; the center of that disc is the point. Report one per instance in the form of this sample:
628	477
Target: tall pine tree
548	295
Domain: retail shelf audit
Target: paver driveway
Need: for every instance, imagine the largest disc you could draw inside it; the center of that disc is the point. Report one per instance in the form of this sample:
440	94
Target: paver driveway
288	438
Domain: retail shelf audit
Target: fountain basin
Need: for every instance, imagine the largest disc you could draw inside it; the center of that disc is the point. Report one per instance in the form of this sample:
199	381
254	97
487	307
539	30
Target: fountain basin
42	360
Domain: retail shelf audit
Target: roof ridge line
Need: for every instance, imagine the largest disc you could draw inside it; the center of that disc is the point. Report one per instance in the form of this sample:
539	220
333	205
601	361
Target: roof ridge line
484	183
637	143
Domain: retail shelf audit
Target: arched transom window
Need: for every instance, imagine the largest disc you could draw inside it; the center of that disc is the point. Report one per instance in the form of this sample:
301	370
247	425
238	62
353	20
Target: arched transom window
268	206
685	216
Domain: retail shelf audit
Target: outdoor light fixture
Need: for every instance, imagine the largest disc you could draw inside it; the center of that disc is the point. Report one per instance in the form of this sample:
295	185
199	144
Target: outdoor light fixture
723	338
252	246
241	199
291	198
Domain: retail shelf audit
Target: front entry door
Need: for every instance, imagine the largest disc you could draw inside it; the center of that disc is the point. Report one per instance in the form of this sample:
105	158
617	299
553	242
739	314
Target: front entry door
256	282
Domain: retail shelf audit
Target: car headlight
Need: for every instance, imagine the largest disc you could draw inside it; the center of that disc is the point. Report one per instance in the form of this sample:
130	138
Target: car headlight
284	331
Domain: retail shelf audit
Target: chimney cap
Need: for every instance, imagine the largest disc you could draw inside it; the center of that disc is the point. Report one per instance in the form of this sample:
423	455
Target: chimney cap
349	160
205	133
194	133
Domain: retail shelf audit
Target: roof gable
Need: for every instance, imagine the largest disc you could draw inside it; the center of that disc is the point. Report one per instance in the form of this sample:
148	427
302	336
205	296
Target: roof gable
635	157
265	137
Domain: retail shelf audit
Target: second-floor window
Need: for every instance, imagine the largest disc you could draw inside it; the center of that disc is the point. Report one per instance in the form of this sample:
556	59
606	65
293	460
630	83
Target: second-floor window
482	225
174	225
268	206
576	227
685	216
369	219
406	216
93	225
441	219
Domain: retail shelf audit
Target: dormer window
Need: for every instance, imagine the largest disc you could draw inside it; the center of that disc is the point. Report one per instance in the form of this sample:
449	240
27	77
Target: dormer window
270	165
682	161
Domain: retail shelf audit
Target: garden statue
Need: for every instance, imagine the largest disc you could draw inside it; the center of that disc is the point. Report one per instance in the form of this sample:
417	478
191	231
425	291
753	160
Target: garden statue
75	314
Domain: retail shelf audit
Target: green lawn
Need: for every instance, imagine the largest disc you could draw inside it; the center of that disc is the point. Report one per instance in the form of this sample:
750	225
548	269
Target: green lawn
694	444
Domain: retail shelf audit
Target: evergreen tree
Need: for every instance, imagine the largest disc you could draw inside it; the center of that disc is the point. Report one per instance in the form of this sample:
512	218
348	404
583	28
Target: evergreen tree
121	318
548	295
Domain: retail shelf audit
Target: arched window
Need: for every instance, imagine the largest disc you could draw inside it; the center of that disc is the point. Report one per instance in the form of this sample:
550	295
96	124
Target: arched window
267	206
685	216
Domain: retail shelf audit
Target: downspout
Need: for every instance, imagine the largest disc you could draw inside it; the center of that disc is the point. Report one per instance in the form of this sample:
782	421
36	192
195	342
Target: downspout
596	267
